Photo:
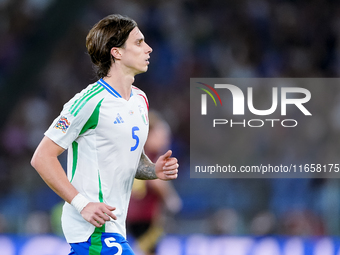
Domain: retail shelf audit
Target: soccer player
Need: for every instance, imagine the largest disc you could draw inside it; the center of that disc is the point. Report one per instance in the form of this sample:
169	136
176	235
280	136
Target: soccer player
104	128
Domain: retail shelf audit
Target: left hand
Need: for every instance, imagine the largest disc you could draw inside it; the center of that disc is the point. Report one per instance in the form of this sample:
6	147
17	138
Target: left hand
166	167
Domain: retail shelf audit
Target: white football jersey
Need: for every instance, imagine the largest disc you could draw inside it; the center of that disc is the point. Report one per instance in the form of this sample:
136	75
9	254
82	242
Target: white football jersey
105	135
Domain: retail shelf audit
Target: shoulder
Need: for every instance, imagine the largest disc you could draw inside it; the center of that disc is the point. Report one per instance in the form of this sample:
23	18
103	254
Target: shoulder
138	92
137	89
86	100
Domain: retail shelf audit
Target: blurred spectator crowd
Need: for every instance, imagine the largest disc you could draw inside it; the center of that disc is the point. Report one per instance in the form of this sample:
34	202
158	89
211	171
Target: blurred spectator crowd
247	38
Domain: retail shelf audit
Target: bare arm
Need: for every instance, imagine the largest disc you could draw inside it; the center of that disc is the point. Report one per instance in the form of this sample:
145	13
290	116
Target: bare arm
165	168
45	161
146	169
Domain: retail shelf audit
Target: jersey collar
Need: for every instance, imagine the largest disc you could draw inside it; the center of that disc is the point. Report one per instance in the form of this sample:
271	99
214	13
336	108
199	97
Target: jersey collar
111	90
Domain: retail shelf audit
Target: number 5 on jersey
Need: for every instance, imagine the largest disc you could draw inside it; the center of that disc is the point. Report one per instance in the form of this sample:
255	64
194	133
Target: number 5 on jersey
135	137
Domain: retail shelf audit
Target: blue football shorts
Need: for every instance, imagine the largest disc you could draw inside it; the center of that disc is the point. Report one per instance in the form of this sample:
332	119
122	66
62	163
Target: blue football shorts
102	244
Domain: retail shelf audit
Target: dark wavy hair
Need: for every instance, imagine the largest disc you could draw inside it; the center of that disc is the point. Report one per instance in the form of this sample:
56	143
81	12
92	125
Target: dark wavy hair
111	31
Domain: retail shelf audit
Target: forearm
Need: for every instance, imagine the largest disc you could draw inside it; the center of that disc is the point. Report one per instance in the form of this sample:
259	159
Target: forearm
146	169
56	179
45	161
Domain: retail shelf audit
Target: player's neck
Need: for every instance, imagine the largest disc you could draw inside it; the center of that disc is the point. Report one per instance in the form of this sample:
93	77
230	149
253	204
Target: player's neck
120	82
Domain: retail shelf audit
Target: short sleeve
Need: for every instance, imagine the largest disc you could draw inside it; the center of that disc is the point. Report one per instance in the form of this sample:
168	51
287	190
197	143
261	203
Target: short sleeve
74	115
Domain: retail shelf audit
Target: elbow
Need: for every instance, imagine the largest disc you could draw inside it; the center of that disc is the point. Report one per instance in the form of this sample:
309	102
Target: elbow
34	161
45	152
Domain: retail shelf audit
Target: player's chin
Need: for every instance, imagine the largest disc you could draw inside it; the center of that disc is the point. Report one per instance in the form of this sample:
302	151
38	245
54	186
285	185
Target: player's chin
142	70
146	66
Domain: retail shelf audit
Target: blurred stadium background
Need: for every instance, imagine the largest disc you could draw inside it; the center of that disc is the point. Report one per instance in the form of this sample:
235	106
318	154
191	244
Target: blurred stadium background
43	62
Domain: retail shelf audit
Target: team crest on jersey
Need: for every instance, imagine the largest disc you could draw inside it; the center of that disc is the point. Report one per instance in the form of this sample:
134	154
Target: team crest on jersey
143	114
62	124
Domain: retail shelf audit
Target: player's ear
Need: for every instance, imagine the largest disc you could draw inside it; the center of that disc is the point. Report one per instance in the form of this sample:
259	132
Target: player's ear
116	53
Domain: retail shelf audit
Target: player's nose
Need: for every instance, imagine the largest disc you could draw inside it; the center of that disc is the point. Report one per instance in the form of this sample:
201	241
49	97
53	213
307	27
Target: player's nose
148	48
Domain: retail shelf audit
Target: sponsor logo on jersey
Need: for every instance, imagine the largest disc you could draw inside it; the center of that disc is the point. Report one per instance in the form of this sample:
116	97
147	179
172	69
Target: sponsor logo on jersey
63	123
118	120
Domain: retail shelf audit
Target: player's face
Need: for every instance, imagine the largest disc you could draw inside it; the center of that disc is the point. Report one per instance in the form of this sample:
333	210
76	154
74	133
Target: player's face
136	53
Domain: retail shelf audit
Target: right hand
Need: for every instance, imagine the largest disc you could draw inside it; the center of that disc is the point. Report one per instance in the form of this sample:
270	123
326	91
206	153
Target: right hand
98	213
